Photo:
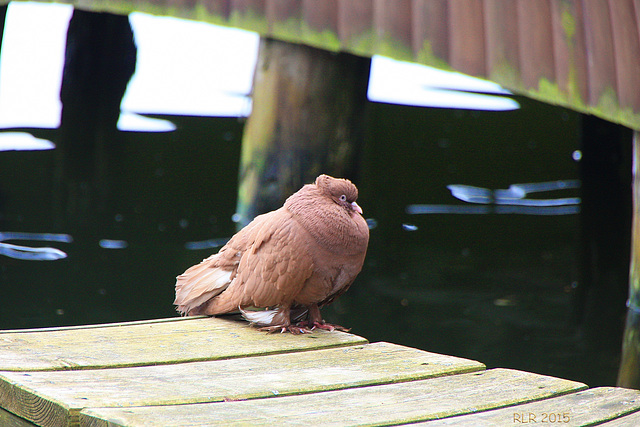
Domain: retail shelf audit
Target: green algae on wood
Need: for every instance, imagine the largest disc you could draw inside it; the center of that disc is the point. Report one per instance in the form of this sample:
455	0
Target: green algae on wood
386	404
257	377
588	407
155	342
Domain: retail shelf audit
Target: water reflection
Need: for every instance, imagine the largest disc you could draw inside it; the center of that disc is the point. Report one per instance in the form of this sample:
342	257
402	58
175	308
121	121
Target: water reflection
407	83
23	141
113	244
409	227
129	121
516	194
206	244
31	65
47	237
510	201
30	253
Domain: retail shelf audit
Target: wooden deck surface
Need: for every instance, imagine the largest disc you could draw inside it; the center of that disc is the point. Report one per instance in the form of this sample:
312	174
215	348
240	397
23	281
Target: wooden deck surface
209	371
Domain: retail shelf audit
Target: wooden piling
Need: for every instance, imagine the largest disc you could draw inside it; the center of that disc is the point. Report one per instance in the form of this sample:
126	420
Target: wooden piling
100	58
307	115
605	228
629	373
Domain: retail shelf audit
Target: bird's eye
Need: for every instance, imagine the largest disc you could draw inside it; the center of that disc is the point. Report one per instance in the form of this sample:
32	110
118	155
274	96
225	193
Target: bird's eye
343	198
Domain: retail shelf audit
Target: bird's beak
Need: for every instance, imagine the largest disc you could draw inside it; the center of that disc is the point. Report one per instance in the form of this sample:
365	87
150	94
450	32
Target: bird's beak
356	207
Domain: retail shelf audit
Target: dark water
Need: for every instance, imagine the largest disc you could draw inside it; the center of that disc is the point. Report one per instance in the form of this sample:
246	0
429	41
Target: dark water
170	189
490	285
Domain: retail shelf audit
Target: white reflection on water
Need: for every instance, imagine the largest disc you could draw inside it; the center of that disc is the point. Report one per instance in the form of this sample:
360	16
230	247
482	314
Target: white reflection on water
471	194
406	83
516	194
409	227
23	141
206	244
129	121
113	244
512	200
30	253
31	64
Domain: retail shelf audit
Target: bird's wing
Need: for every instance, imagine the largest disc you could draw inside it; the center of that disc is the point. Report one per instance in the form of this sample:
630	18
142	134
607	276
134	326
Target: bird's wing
274	267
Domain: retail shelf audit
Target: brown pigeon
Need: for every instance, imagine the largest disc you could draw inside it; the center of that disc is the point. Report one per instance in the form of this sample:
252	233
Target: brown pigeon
288	262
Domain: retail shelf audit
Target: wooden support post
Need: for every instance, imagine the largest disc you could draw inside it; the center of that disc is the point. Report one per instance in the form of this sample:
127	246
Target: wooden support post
307	119
605	172
100	58
629	374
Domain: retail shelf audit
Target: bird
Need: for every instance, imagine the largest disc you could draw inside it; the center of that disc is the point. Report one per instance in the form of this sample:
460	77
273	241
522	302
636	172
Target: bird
282	267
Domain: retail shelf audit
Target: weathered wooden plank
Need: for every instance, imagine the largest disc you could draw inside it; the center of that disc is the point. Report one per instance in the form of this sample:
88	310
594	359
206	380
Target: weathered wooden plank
430	23
284	18
321	16
636	9
151	342
627	53
214	7
7	419
384	404
569	50
466	37
586	407
355	24
626	421
249	14
248	6
67	392
282	10
536	43
393	24
502	47
601	61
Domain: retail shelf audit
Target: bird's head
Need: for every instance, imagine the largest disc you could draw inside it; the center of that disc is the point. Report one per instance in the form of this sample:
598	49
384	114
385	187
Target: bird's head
341	191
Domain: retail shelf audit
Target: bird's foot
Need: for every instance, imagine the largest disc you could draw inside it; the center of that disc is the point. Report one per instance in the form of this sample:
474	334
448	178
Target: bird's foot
322	325
294	329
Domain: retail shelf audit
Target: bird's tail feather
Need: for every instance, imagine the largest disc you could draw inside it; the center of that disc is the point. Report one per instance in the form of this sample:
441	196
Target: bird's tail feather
198	285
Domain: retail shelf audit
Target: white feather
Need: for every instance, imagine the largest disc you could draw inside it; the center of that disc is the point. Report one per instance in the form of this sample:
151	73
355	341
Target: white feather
262	317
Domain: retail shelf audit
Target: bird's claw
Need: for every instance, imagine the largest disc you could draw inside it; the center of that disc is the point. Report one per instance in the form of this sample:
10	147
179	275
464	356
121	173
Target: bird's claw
322	325
330	326
293	329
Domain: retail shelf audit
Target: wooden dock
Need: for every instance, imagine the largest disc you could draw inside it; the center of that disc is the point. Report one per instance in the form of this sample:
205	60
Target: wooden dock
208	371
